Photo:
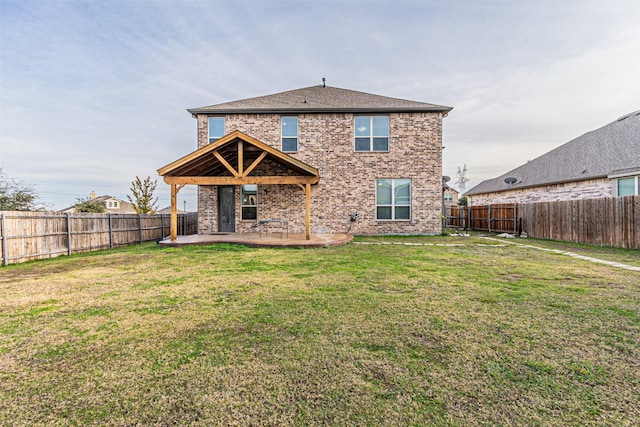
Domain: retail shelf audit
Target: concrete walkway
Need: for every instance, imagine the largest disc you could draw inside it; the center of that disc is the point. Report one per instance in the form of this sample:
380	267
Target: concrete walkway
571	254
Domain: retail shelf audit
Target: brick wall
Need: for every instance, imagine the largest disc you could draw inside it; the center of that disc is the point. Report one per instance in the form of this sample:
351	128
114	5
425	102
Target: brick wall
588	189
347	178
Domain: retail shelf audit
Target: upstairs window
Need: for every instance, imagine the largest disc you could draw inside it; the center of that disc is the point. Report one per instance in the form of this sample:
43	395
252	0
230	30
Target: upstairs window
628	186
112	204
290	134
249	202
393	199
216	128
372	133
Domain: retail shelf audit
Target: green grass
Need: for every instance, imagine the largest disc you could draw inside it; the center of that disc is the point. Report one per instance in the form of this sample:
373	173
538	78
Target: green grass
479	334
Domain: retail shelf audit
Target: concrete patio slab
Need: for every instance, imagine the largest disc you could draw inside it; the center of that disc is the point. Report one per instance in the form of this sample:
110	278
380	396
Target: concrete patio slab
273	240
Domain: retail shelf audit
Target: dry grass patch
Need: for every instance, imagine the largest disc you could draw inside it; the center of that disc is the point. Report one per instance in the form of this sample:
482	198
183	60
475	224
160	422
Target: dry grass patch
354	335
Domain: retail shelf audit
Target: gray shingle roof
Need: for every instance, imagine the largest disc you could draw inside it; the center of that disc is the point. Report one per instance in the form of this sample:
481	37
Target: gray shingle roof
319	99
611	149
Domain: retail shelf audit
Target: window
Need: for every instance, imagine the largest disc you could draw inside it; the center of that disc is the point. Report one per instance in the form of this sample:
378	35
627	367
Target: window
372	133
113	204
289	134
393	199
216	128
448	197
250	202
628	186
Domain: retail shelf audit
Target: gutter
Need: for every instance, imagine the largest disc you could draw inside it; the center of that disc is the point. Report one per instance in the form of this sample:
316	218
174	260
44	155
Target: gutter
441	109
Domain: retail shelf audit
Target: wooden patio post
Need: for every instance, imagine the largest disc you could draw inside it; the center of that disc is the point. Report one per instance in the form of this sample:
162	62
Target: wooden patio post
174	212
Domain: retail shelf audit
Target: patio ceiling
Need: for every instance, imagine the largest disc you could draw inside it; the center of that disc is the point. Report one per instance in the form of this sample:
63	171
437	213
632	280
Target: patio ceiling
237	159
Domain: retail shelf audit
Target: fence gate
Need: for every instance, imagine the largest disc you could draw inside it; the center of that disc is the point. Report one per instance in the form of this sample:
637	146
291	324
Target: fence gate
504	218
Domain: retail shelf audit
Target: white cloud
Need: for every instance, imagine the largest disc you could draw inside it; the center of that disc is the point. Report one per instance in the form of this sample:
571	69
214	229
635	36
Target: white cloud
94	93
504	122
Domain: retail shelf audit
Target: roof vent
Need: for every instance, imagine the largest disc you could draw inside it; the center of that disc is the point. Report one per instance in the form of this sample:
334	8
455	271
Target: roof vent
324	82
510	180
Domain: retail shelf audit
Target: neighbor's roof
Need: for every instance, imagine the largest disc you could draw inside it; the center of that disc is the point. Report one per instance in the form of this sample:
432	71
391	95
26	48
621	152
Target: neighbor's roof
106	198
612	149
317	99
123	205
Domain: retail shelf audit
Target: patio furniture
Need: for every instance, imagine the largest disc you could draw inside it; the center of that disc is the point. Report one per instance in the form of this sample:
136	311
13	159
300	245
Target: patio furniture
266	224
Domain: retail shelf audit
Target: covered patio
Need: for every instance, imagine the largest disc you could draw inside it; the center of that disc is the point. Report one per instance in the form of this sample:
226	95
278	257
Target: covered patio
238	159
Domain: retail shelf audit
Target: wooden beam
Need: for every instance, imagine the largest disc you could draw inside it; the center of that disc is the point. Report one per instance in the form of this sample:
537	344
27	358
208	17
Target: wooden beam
277	153
240	157
198	153
226	164
213	147
239	180
255	163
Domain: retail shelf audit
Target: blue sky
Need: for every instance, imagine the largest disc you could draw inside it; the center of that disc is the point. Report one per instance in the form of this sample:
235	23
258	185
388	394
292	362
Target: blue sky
94	93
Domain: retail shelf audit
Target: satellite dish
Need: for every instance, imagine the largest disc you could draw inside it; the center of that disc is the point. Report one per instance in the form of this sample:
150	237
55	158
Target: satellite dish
510	180
446	178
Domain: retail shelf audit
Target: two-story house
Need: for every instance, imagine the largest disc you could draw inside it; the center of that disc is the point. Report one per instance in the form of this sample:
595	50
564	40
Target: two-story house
315	157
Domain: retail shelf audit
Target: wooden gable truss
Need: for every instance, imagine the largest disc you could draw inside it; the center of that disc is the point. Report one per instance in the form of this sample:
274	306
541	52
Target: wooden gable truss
234	160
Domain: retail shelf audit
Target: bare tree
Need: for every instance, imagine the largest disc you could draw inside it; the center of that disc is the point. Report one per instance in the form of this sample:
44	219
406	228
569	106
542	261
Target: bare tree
142	200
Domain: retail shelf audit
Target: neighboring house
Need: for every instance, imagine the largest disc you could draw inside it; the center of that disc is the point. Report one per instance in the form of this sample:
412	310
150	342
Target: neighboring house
313	157
111	204
601	163
450	196
167	210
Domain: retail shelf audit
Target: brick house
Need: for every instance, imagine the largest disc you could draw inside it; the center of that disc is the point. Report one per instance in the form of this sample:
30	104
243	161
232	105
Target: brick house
602	163
111	205
313	157
450	196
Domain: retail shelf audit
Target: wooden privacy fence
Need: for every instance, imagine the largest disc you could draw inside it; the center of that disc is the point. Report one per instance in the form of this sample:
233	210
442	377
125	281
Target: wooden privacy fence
34	235
499	217
607	221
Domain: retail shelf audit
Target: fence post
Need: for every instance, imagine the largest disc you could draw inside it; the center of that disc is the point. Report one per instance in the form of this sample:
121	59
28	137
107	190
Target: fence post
489	221
5	260
140	226
515	214
110	232
69	251
162	223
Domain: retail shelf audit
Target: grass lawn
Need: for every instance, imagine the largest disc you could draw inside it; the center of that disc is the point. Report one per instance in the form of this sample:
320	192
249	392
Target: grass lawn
480	334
